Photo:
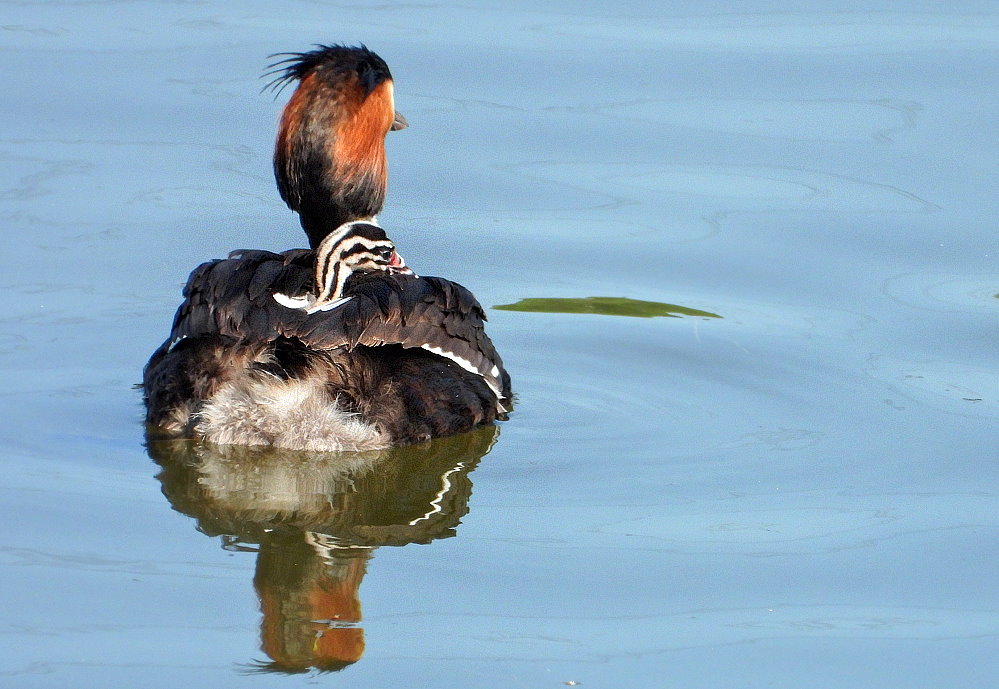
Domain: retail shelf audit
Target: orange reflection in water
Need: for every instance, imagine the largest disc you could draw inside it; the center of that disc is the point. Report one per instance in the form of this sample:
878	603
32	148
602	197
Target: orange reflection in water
314	520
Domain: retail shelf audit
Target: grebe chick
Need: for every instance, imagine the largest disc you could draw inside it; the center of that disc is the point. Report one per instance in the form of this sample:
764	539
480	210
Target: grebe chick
357	247
337	348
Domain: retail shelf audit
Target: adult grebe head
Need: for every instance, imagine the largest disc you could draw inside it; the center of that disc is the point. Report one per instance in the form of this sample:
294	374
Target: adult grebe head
329	156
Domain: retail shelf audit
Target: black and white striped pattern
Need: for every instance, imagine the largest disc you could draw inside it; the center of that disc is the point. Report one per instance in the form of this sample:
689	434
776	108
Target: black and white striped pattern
355	247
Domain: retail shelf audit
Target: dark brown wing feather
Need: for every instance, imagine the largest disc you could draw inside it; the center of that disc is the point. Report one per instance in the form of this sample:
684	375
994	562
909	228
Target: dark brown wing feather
426	312
233	298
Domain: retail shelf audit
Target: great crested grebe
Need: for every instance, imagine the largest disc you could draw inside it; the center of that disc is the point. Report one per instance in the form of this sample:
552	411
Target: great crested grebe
338	347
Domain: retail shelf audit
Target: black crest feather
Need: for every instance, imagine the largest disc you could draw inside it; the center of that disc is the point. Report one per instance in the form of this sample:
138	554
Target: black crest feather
371	70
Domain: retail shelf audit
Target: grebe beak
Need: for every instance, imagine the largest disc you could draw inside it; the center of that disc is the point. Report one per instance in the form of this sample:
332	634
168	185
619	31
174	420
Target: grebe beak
399	122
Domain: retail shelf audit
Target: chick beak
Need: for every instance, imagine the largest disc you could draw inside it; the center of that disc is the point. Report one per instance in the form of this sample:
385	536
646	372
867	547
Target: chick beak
398	266
399	122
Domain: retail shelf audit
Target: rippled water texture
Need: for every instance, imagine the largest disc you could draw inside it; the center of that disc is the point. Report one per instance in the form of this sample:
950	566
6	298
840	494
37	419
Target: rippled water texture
743	259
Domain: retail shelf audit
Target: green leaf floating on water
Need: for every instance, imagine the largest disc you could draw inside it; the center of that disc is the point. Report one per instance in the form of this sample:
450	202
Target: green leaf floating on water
607	306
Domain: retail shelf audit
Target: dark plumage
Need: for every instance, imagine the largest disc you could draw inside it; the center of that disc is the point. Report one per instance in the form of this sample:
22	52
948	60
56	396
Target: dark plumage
339	347
231	338
339	61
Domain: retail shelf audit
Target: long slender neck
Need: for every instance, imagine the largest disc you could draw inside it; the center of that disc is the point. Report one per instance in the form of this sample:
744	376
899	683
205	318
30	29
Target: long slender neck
329	157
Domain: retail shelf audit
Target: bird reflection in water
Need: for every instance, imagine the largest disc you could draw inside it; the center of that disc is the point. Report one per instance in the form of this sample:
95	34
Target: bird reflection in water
314	520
